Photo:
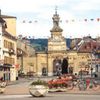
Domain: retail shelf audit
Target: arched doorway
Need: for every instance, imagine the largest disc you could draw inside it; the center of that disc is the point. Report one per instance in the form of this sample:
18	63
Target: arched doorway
57	67
65	66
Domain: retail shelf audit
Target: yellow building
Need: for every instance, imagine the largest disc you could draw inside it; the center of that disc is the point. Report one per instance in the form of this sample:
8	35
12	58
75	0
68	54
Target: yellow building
11	24
25	56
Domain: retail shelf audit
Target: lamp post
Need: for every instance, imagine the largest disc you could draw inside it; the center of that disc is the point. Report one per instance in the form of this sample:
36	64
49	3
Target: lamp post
93	51
21	55
81	74
22	62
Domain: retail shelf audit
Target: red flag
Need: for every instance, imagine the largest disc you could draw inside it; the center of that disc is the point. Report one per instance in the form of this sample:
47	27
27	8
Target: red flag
98	19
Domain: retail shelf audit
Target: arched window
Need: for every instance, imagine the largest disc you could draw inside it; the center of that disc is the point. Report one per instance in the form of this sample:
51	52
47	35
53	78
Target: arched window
44	71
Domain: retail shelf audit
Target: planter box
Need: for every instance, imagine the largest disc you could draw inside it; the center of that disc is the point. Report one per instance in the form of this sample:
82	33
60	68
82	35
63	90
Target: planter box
2	86
57	90
2	90
38	90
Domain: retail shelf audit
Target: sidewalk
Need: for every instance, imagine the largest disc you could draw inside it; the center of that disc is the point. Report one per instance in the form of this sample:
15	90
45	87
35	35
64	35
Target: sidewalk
76	91
24	90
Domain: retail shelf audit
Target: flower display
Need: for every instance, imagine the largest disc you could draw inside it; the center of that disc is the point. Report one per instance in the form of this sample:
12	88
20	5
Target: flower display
60	82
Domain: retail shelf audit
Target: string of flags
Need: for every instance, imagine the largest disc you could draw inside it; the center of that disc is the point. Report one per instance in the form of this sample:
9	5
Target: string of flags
67	21
86	20
24	21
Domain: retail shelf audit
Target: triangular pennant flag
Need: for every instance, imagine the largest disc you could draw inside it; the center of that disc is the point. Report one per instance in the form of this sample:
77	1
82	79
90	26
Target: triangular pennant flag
35	21
91	19
66	21
85	20
73	20
30	21
98	19
23	21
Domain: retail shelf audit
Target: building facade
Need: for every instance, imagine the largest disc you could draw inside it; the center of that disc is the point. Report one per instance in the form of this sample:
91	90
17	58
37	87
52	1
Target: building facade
11	24
49	62
7	53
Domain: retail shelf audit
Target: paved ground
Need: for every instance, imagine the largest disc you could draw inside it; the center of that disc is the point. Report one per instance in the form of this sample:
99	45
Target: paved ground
19	90
52	97
21	87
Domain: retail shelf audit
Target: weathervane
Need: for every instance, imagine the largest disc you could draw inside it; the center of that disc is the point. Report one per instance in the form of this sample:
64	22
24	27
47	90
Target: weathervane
56	9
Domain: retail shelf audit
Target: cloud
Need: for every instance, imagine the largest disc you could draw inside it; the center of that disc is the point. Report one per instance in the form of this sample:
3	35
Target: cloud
28	5
43	10
87	5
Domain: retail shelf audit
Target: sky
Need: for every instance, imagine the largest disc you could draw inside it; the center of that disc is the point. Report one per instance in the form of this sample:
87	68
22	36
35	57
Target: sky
78	18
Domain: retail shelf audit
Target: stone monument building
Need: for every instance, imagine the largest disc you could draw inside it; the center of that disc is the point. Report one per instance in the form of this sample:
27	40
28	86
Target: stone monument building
49	62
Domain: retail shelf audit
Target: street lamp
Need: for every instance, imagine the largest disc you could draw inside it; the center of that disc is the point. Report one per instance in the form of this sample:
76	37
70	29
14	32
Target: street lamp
21	61
20	55
93	51
81	74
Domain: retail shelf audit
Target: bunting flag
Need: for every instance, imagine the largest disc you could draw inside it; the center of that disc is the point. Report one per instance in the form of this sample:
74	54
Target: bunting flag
23	21
91	19
73	20
35	21
85	20
68	20
30	21
98	19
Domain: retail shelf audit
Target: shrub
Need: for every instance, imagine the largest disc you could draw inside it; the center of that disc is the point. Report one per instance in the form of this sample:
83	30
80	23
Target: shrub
39	82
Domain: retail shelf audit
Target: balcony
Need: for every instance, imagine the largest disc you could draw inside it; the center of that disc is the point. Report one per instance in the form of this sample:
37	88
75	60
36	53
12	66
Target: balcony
11	51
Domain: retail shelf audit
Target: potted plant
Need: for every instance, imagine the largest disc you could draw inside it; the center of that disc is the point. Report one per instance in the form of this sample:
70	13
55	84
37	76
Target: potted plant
38	88
2	86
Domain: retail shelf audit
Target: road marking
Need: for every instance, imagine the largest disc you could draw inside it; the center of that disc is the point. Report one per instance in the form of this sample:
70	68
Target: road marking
13	96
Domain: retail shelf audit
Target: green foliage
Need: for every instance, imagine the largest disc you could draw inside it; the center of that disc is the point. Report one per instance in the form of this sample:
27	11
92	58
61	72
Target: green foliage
39	44
39	82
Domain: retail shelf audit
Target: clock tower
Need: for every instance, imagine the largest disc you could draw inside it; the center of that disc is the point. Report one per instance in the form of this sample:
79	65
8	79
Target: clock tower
56	42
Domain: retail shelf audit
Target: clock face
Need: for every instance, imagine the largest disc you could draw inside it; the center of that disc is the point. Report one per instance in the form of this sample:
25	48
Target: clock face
56	37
